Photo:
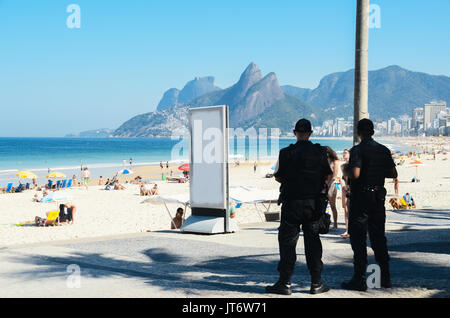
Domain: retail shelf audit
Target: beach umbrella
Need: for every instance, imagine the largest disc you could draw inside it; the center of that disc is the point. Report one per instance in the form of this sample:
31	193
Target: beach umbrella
26	175
184	167
126	171
416	163
57	196
56	175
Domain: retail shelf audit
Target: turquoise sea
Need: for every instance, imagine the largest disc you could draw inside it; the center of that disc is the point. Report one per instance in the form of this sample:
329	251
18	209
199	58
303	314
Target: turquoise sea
106	156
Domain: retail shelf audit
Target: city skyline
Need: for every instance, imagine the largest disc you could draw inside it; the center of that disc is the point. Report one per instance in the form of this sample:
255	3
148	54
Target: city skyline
436	123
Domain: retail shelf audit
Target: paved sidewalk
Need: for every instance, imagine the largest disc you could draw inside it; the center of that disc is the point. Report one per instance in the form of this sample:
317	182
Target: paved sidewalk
172	264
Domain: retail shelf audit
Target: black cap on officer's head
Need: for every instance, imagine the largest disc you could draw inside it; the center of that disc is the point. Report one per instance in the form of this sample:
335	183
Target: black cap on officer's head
365	127
303	126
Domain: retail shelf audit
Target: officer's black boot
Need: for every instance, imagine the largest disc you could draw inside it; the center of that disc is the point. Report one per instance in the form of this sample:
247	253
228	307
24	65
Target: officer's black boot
358	281
385	276
318	288
282	287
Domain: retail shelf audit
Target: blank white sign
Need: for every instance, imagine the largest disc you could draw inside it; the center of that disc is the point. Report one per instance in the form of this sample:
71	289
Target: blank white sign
209	157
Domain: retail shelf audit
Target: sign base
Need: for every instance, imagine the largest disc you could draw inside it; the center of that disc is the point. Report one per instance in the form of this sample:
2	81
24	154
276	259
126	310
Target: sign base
208	225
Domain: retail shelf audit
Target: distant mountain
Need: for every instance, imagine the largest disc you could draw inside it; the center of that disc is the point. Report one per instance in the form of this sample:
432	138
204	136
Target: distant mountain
170	99
250	101
257	101
393	91
97	133
283	114
300	93
156	124
248	98
195	88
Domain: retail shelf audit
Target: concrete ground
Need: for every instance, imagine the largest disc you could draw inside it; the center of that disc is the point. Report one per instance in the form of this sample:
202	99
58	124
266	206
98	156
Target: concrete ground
172	264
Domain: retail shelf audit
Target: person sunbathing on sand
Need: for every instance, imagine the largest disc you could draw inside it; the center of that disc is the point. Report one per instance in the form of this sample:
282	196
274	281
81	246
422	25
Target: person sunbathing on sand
143	190
154	190
137	180
118	186
177	221
67	213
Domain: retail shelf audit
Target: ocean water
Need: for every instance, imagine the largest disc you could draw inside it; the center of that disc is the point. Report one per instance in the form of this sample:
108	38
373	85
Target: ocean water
105	156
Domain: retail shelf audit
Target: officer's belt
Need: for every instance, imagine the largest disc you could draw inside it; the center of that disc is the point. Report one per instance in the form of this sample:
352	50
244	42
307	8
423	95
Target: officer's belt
371	188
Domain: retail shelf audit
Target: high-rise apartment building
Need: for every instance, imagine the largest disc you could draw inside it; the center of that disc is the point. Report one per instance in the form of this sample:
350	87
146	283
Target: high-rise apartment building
430	111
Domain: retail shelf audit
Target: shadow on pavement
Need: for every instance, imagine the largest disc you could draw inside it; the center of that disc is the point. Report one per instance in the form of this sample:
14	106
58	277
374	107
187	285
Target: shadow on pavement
250	273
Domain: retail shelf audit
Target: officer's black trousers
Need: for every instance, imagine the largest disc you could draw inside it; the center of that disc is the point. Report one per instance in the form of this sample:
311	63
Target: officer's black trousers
294	214
368	214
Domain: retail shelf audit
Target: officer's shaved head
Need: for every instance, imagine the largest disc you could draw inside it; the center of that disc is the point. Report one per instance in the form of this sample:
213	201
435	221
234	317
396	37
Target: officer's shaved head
365	128
303	129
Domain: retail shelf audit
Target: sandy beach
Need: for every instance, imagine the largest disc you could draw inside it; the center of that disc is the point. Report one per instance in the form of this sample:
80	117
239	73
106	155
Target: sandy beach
102	213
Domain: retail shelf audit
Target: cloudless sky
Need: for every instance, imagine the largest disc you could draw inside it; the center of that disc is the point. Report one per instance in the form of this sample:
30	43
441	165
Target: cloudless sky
55	80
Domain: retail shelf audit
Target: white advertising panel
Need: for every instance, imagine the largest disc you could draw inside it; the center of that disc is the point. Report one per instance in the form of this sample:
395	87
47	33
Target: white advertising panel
209	157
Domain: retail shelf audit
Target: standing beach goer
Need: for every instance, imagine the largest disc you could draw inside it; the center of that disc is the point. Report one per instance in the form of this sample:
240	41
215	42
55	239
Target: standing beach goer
254	167
86	177
333	160
345	191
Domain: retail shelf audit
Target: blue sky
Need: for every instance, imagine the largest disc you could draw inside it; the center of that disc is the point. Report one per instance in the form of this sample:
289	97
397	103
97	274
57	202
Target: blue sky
55	80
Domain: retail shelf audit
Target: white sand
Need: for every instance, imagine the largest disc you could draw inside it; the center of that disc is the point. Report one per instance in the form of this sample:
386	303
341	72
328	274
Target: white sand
104	213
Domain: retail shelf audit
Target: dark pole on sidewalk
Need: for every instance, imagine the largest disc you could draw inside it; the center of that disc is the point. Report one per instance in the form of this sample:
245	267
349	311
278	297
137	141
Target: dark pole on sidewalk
361	98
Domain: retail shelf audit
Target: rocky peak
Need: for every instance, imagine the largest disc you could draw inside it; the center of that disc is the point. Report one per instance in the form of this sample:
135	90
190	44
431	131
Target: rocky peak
259	97
197	87
170	98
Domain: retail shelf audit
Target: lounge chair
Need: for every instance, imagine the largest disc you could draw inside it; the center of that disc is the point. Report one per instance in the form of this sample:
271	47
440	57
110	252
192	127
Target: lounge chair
63	185
58	184
69	184
8	188
20	188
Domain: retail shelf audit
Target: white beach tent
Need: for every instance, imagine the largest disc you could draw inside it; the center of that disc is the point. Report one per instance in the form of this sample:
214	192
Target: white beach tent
238	195
181	199
248	195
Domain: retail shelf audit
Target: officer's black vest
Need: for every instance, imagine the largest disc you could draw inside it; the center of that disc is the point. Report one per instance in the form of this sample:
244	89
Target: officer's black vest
305	177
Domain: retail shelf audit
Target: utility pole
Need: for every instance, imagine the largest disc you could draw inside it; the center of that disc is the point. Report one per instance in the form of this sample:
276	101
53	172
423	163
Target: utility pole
361	99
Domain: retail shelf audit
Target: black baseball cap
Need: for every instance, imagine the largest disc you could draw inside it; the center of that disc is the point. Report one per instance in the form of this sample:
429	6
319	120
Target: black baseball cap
303	126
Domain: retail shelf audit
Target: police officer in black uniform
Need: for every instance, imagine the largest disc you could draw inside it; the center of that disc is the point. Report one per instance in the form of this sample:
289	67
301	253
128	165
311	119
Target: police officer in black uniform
370	163
303	170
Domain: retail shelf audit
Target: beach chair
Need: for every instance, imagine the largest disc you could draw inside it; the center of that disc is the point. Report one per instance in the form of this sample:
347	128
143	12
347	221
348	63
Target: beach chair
20	188
58	184
63	185
69	184
8	188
